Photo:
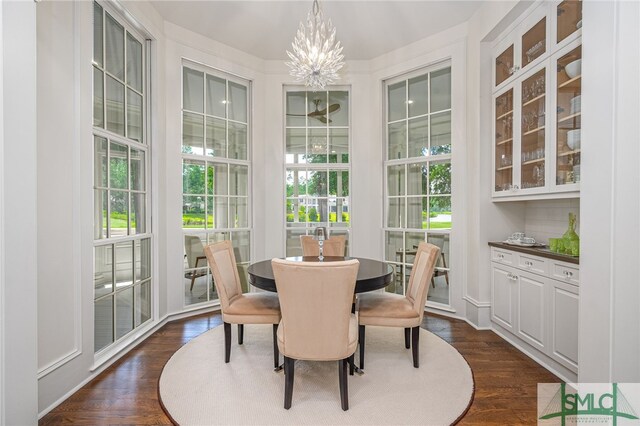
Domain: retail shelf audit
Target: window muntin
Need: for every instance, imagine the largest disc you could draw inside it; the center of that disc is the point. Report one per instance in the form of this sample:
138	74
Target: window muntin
317	164
216	173
122	235
418	174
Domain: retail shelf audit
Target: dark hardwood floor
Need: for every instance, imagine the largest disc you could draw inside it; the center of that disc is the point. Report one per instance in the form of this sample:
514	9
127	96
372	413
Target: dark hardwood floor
126	393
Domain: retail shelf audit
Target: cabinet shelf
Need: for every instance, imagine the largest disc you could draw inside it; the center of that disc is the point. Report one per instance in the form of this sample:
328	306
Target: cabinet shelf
537	98
571	83
504	142
530	132
569	117
504	115
566	153
504	168
537	160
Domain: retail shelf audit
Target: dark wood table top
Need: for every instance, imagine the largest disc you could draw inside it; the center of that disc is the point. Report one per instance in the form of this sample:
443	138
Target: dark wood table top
372	274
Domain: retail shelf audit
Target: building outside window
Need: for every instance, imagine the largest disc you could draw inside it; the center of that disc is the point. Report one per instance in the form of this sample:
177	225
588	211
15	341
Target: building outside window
317	164
216	172
418	174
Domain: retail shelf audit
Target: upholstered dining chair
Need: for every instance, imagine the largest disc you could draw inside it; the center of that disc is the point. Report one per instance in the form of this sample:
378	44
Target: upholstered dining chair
239	308
194	253
395	310
333	246
317	323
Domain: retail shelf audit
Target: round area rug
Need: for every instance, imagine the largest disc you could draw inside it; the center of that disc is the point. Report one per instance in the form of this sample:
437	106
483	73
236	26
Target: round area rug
197	388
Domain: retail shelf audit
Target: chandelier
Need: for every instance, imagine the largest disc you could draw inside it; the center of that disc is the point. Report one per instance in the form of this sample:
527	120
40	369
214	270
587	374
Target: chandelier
316	56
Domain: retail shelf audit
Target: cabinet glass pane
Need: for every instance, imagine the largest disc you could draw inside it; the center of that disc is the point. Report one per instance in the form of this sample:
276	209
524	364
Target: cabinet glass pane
569	18
237	102
534	42
115	106
568	117
114	47
395	180
397	101
134	63
216	96
440	90
98	98
504	65
418	95
419	137
192	90
237	141
397	140
504	141
216	137
103	323
532	148
192	133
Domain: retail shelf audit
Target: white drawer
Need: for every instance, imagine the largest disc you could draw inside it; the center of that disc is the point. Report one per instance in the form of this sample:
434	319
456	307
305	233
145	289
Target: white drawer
536	265
503	256
565	272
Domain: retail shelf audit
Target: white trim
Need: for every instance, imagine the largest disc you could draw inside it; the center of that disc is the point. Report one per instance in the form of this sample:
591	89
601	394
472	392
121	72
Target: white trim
476	303
2	309
54	365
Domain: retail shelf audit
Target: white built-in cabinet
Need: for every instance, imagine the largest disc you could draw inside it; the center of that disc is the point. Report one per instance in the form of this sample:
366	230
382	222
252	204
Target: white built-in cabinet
536	124
535	300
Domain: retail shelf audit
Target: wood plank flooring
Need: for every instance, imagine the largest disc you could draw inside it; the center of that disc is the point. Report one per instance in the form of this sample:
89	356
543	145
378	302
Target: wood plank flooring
126	393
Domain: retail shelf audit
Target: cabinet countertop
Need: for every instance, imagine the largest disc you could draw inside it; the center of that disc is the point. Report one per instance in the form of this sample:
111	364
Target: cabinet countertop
537	251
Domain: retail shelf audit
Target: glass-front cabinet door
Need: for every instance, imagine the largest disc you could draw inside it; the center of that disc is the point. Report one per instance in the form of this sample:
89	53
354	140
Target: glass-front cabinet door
568	117
503	160
569	19
534	42
505	65
532	130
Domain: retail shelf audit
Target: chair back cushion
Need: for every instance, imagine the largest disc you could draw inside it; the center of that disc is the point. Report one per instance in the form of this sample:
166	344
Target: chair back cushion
331	247
222	262
421	273
315	301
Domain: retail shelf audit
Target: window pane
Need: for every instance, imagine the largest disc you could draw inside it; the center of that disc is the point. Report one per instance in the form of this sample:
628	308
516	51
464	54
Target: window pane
239	212
418	95
295	146
237	102
339	115
338	145
192	90
119	217
217	179
103	323
440	212
397	101
100	162
134	115
296	183
193	177
440	177
239	176
137	170
317	149
339	212
114	45
296	109
119	166
143	259
142	298
395	180
138	213
241	246
441	133
339	183
317	109
417	212
417	178
419	137
193	212
237	141
397	141
192	133
115	106
393	246
124	264
220	209
124	312
100	214
134	63
411	242
98	98
216	138
440	282
294	247
103	270
395	218
97	33
441	90
216	96
317	183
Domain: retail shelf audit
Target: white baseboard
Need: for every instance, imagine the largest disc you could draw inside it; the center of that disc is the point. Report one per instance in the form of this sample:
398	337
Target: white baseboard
125	349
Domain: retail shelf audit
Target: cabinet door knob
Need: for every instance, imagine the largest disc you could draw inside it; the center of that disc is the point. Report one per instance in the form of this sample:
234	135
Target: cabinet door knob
568	274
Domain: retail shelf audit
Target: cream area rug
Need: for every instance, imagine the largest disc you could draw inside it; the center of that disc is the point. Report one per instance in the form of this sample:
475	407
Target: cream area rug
197	388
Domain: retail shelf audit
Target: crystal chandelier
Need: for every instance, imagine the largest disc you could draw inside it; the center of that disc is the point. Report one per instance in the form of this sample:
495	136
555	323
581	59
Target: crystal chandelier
317	56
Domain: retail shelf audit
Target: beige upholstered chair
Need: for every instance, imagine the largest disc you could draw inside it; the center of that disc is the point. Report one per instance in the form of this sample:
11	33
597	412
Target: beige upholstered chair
394	310
317	323
333	246
238	308
195	258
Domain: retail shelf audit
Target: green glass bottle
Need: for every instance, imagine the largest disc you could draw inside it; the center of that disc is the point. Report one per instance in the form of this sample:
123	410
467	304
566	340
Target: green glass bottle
570	235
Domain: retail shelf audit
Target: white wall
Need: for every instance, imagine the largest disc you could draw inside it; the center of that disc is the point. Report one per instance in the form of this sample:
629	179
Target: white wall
19	290
546	219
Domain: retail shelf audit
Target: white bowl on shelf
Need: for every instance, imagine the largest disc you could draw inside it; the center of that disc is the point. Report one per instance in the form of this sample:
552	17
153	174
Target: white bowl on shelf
573	69
573	139
576	104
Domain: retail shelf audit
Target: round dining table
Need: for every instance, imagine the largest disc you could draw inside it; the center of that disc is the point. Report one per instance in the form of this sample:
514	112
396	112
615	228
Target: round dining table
372	274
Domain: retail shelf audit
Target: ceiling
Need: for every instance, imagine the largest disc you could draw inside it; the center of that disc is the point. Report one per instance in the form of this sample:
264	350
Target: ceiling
366	29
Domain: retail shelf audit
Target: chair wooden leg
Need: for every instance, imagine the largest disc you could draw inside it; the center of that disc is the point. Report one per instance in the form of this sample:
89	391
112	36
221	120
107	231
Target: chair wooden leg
240	333
433	283
352	365
193	280
415	346
227	342
289	369
344	390
276	352
406	337
361	343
